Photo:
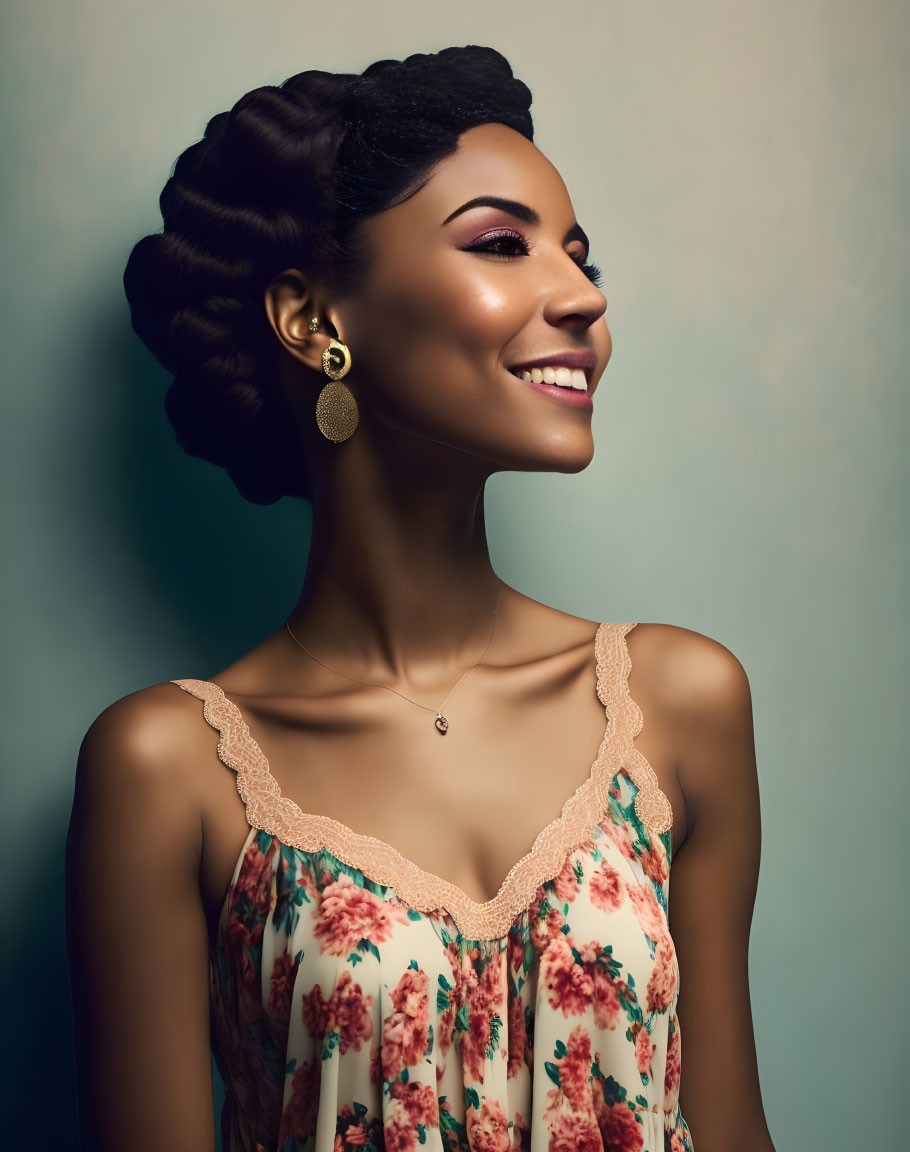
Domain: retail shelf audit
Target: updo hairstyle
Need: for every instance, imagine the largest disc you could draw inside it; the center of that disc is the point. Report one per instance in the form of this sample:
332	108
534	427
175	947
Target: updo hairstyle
284	179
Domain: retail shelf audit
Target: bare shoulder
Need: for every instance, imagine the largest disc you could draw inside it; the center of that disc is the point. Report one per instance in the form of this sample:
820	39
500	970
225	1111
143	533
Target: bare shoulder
693	674
698	692
142	744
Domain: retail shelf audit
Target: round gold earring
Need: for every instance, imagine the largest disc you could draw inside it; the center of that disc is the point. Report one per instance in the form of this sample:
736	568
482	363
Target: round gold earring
337	414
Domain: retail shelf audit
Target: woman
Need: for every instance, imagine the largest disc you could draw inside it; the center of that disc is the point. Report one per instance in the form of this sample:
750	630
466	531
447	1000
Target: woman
374	294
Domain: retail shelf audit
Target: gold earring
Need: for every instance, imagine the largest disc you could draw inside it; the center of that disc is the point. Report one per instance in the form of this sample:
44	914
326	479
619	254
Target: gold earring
336	409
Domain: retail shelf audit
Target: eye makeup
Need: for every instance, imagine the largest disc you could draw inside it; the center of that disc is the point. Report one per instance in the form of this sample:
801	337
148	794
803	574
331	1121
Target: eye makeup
492	244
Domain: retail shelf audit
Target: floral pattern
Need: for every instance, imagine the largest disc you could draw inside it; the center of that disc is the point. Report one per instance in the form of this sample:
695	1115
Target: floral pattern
343	1019
348	1013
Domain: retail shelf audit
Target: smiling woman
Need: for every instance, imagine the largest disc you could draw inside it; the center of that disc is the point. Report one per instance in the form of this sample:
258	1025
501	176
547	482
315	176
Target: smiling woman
374	294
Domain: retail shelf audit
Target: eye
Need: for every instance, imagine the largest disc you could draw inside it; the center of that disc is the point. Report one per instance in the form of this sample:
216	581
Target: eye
505	244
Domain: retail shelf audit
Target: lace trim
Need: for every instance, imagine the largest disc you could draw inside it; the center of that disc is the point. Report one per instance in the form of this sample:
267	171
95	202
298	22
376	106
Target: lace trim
279	816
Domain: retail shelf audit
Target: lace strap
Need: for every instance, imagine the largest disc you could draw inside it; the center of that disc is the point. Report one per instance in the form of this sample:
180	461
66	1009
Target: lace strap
237	749
613	670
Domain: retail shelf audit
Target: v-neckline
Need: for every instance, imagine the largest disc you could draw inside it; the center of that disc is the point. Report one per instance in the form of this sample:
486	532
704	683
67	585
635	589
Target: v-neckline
269	810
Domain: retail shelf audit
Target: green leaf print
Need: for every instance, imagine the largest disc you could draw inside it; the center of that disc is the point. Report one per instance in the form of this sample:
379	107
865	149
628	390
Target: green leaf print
429	1042
414	965
359	1109
462	1022
578	870
354	958
560	1050
422	1133
552	1071
448	1123
614	1093
495	1025
372	947
404	1075
413	914
639	1099
471	1099
291	1065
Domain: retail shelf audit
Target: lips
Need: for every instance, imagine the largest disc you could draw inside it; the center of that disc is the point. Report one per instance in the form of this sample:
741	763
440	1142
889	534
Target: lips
570	369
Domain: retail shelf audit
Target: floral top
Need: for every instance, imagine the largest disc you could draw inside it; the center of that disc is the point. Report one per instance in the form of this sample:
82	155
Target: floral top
359	1002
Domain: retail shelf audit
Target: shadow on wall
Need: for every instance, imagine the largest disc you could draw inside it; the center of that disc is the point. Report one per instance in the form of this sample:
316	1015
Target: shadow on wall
228	571
191	577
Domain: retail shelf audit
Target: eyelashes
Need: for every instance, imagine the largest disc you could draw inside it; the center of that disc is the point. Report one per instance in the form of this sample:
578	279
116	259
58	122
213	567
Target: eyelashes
507	244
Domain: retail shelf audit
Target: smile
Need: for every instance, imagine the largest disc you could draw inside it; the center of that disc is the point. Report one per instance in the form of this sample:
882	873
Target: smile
558	375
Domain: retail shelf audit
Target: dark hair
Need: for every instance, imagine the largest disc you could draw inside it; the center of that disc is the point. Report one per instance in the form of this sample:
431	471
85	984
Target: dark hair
283	179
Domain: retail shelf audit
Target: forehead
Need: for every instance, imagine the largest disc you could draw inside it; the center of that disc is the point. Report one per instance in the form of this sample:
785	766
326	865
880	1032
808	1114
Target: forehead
490	160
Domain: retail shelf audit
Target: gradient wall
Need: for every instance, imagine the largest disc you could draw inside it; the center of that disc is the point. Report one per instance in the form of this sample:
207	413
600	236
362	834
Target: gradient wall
744	174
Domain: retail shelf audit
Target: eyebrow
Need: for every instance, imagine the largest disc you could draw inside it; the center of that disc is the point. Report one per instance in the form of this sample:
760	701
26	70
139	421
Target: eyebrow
523	212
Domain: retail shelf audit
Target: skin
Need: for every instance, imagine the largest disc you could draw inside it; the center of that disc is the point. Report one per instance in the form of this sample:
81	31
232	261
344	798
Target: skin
399	591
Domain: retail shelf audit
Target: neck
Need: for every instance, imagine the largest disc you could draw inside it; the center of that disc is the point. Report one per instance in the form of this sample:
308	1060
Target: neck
399	584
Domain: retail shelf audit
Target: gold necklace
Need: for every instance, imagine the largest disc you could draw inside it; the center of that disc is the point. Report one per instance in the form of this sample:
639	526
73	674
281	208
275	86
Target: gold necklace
442	723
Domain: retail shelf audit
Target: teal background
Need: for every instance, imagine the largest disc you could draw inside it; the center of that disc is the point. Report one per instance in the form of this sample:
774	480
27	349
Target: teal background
744	174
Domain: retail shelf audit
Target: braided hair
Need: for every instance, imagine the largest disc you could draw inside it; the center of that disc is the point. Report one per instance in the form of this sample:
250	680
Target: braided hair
284	179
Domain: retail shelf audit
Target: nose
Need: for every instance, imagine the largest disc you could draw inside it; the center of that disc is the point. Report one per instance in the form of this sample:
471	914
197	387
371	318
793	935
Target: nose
574	298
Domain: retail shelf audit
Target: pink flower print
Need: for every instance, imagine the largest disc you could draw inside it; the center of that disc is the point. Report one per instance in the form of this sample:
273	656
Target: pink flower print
619	834
348	914
405	1032
488	1129
353	1134
644	1050
543	925
565	883
516	953
620	1129
677	1144
606	888
399	1135
662	983
255	885
284	973
347	1012
606	1001
485	1000
351	1015
574	1132
547	928
419	1102
298	1121
569	985
375	1066
673	1067
575	1072
518	1036
654	861
648	912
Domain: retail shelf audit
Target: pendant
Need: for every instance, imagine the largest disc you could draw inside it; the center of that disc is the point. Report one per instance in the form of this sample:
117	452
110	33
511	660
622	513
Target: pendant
441	723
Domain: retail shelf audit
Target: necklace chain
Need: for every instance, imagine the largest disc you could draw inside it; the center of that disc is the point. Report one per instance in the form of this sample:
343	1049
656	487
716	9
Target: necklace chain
442	723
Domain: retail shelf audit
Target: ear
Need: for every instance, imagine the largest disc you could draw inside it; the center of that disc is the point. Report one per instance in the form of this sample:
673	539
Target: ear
291	301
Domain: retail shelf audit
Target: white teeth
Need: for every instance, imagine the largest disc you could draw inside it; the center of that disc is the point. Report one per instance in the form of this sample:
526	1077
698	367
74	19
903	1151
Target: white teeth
562	377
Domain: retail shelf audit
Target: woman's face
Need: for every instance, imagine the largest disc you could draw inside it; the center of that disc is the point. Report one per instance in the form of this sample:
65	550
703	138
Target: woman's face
459	298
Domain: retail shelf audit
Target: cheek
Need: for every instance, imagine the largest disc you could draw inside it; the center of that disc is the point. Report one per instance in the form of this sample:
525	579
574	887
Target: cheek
450	320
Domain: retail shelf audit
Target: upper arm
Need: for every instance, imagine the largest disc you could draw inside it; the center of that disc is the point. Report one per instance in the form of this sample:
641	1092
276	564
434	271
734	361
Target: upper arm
712	893
136	935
